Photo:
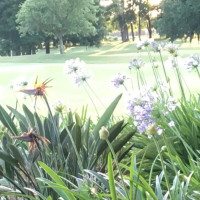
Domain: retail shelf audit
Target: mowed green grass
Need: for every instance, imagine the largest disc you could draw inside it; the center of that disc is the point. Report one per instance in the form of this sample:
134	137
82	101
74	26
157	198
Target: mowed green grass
103	62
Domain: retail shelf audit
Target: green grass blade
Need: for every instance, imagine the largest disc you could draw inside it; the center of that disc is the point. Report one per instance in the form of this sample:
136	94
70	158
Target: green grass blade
111	178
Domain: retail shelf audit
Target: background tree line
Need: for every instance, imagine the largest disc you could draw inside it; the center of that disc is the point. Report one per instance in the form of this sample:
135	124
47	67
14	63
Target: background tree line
26	24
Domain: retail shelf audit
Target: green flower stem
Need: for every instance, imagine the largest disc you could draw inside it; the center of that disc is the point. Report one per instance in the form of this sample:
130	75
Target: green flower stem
166	77
74	146
131	79
118	168
138	80
198	72
125	87
91	101
139	171
163	166
180	83
179	79
94	93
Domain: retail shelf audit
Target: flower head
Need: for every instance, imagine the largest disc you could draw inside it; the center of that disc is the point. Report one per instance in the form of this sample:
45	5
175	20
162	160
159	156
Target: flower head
172	49
136	63
192	62
59	107
81	77
119	80
171	123
141	107
157	47
19	83
33	140
73	66
39	88
172	104
144	43
103	133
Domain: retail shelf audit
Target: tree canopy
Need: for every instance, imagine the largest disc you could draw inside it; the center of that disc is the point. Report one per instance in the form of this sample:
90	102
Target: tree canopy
178	18
57	18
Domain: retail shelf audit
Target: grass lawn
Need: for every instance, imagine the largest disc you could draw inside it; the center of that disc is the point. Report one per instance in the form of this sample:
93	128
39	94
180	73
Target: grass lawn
103	62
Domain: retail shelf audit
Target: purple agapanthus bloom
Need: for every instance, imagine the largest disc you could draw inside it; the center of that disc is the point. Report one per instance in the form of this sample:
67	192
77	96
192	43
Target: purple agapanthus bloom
141	107
119	80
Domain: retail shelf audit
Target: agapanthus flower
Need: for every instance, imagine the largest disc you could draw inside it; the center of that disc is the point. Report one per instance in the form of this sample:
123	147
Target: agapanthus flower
144	43
140	46
172	49
73	66
19	83
172	104
163	86
136	63
81	77
171	123
141	106
174	63
152	129
157	47
119	80
192	62
59	107
103	133
148	41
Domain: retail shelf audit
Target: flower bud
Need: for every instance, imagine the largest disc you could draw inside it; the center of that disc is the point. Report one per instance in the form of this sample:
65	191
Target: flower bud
151	129
93	190
103	133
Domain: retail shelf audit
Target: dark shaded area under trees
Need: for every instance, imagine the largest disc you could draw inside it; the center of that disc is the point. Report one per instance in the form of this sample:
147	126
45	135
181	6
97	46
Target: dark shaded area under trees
28	25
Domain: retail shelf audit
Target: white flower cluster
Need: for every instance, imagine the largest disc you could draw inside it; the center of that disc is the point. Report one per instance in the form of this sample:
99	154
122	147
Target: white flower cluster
192	62
76	68
19	83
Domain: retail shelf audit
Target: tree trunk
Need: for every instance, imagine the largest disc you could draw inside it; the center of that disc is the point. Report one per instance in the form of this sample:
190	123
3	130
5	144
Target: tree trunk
33	50
60	37
198	37
191	37
124	33
127	35
47	47
149	26
28	51
139	22
132	32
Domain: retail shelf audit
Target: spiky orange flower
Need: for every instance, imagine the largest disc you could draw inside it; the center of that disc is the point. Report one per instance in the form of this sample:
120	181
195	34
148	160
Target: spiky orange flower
39	88
33	140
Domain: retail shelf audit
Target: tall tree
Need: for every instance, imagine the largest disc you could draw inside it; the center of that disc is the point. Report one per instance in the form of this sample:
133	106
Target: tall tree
93	40
10	40
121	13
57	17
178	19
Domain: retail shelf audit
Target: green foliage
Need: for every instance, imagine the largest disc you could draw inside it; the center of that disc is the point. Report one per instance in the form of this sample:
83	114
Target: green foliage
178	19
74	145
57	17
9	36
